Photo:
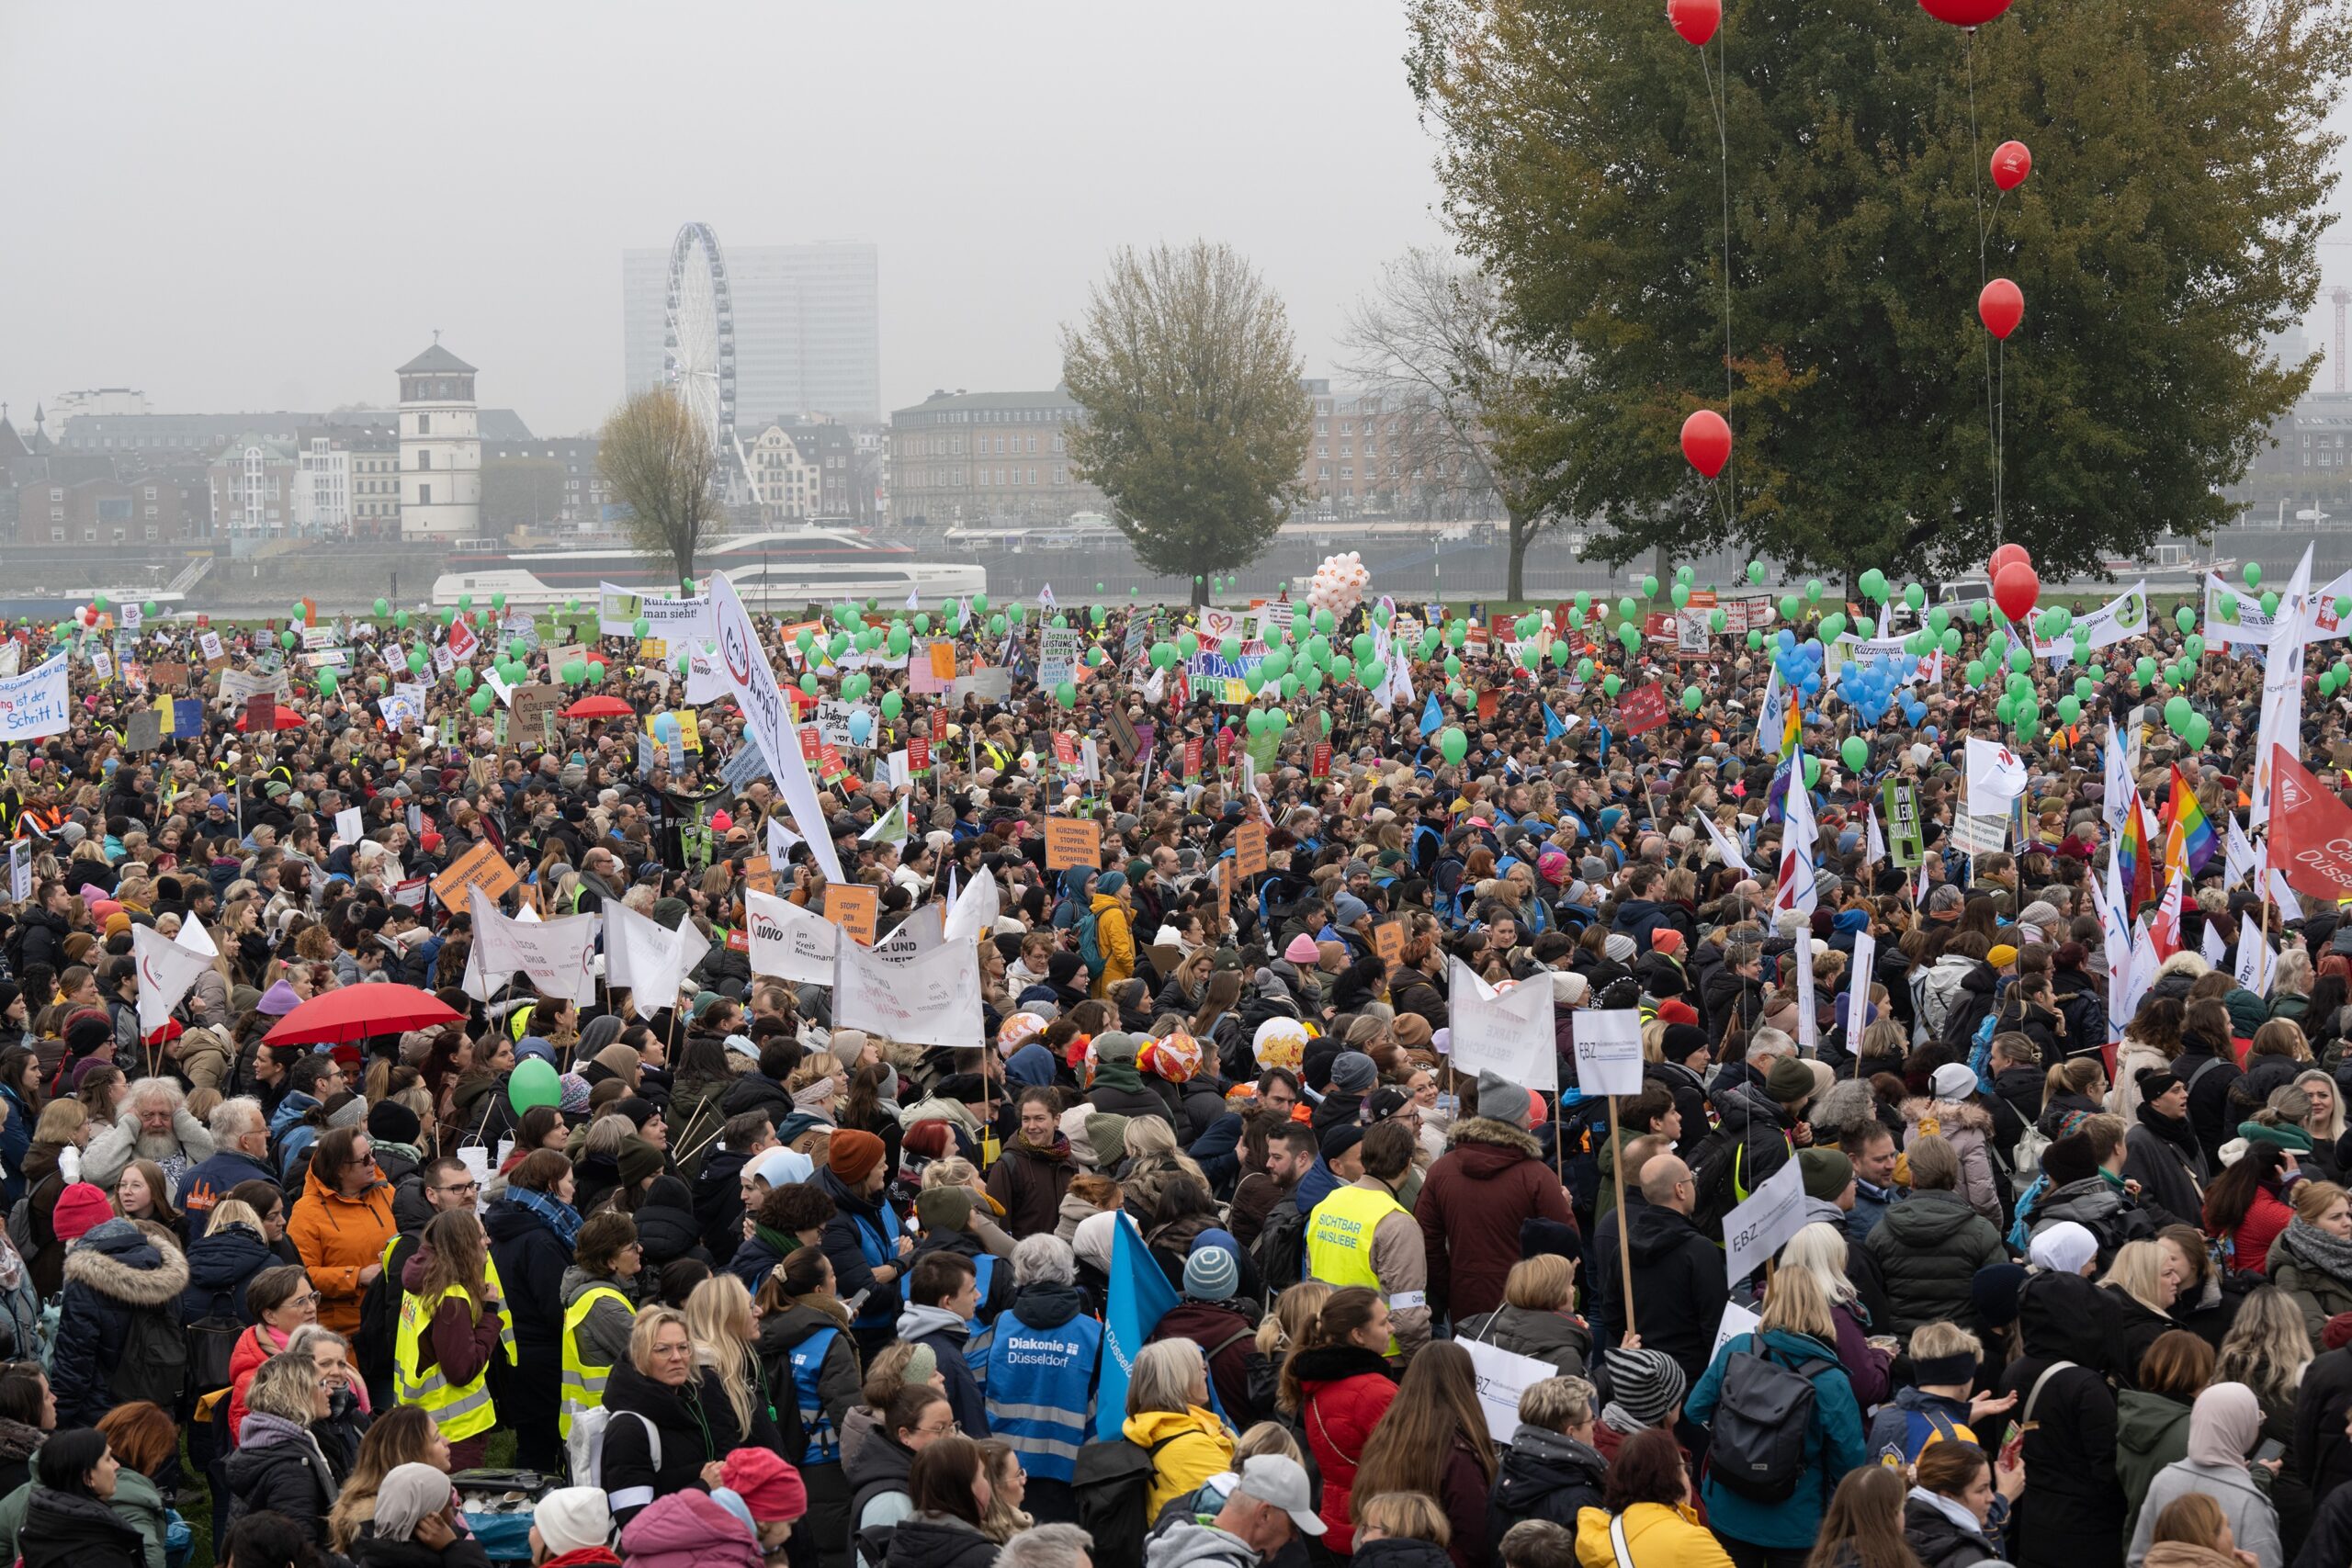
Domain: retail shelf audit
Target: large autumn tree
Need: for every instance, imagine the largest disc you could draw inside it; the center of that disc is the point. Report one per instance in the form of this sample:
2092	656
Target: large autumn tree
2172	219
1195	423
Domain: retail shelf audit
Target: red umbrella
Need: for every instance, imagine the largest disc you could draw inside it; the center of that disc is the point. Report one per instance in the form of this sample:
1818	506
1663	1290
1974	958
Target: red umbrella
287	719
355	1012
600	708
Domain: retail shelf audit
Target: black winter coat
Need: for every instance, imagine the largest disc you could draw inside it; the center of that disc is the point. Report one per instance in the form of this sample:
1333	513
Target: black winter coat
852	1273
1940	1541
2170	1170
220	1267
1928	1249
717	1199
2072	1513
372	1551
696	1425
669	1229
1543	1475
1679	1285
64	1530
289	1477
117	1272
927	1542
2320	1454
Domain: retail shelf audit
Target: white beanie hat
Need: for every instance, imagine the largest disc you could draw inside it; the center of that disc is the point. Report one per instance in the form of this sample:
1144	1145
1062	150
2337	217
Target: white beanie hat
573	1518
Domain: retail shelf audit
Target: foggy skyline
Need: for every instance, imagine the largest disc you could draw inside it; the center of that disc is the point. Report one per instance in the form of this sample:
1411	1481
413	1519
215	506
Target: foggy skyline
271	205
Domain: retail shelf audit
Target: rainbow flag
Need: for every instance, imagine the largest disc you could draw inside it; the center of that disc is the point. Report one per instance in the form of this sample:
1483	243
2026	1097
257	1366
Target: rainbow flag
2188	838
2134	868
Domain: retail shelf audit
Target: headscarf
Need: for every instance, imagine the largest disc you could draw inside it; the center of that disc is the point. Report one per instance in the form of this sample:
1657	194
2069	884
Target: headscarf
600	1033
409	1495
1032	1066
2223	1425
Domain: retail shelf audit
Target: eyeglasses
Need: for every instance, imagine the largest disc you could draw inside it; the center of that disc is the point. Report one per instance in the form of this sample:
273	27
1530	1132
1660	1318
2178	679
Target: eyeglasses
951	1427
458	1189
308	1299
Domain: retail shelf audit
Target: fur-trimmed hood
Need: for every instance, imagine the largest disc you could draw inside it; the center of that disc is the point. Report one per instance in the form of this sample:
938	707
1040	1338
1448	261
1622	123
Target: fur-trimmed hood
1495	1131
1952	1115
128	1261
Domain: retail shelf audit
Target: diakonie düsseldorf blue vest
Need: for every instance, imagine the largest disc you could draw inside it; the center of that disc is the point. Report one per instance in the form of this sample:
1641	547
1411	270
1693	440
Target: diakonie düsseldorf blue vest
1040	1388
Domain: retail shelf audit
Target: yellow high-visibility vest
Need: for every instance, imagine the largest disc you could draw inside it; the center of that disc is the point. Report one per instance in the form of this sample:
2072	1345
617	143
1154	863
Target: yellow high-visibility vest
460	1410
1339	1242
583	1383
490	1280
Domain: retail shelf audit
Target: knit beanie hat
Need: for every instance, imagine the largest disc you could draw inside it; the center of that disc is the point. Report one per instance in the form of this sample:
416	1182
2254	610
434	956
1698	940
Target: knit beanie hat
943	1208
1790	1081
1994	1293
81	1208
2069	1159
920	1367
573	1518
391	1122
640	1161
1301	950
854	1154
2336	1332
1825	1173
771	1488
1644	1385
1107	1132
1353	1073
575	1090
1211	1273
1618	947
1500	1099
848	1046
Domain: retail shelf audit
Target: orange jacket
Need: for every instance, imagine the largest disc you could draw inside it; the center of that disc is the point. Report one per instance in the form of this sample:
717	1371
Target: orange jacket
337	1237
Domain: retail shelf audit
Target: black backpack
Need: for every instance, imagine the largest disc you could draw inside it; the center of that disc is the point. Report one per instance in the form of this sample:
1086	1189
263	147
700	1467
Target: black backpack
1712	1182
1762	1421
1113	1485
154	1359
1282	1245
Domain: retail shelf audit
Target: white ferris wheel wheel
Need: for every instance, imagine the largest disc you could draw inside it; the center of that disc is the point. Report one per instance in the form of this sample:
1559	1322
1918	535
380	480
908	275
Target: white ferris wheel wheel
698	337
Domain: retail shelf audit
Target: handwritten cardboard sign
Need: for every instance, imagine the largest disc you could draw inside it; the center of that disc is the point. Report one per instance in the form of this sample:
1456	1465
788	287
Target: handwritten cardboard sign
478	867
1072	842
855	908
1388	942
1249	849
1642	709
759	874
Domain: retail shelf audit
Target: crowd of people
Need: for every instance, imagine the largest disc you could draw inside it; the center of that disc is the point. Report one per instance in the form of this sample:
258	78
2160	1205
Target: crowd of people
1210	1246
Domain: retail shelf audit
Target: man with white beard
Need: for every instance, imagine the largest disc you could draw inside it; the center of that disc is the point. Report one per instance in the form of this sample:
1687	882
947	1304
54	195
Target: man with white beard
154	1124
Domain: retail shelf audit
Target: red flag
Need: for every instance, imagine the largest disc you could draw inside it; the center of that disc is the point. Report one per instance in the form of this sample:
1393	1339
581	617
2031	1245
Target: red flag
2164	929
2311	832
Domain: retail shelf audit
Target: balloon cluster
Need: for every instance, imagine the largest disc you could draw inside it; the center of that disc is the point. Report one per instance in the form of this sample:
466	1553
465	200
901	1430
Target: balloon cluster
1871	689
1338	583
1799	662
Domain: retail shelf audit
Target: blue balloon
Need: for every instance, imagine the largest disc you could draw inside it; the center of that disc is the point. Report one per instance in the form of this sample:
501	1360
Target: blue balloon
665	727
1788	638
861	725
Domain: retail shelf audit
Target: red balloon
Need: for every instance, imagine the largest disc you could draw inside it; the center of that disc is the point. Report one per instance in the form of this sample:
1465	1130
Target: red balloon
2012	160
1696	21
2014	589
1964	13
1706	441
2004	556
2001	306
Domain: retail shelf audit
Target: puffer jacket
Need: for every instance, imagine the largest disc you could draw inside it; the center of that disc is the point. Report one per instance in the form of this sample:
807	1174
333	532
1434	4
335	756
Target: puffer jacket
1543	1475
688	1529
1935	990
1115	939
279	1468
1754	1120
1490	1180
1346	1390
1928	1249
1969	1129
2098	1205
1562	1339
117	1272
337	1237
220	1266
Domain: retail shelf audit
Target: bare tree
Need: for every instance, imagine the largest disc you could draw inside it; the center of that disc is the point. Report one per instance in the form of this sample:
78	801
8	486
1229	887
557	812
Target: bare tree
663	466
1195	423
1463	401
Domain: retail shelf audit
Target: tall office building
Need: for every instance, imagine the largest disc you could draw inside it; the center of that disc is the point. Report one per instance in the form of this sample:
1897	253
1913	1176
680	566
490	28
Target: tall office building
806	335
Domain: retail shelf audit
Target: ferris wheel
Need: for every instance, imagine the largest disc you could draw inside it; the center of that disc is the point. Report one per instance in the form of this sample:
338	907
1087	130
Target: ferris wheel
698	337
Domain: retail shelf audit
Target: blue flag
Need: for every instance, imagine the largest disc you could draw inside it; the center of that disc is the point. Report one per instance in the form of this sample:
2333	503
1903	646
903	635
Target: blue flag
1431	719
1553	728
1140	1297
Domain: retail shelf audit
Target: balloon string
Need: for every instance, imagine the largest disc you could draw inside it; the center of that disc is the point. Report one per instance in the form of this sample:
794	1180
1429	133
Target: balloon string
1718	99
1976	184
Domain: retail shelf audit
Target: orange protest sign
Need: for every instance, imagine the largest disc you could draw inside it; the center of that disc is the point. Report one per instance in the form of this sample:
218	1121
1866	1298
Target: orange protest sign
1388	942
478	867
855	908
759	874
1072	842
1249	849
943	660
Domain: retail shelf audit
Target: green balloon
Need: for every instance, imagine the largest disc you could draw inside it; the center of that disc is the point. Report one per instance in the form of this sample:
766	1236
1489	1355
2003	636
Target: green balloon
1916	596
1855	753
1755	573
1812	770
1255	721
595	671
1649	587
2185	618
327	682
498	601
1976	611
2270	602
1612	684
383	607
574	671
1584	671
465	677
2201	730
1716	620
1873	584
1452	744
1693	698
1680	595
923	622
1583	602
2252	575
2070	709
997	624
1833	626
1975	672
1065	693
1755	641
480	702
809	683
979	603
1813	591
1626	608
1231	646
1790	606
2177	714
286	639
1631	636
532	1085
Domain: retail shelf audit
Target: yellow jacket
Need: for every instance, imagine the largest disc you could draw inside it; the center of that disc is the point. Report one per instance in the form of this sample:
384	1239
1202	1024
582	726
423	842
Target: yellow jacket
1656	1537
1116	938
1201	1448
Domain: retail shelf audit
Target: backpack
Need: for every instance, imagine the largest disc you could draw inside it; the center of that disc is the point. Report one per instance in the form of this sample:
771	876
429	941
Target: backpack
584	1449
1761	1424
2025	1158
1113	1484
1282	1246
1090	944
211	1343
154	1360
20	1227
1712	1174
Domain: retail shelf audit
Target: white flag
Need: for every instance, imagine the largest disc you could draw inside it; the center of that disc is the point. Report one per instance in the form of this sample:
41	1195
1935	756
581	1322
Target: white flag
195	938
1045	597
2142	973
166	970
744	665
1799	838
558	956
1858	995
914	598
780	841
933	999
2282	688
1996	776
1809	1024
1873	842
2253	967
2212	945
972	913
1725	845
2237	854
647	957
2115	804
1506	1030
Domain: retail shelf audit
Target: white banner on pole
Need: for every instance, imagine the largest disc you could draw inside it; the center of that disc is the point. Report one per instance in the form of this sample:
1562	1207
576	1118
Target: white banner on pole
789	943
931	1000
1757	1229
1508	1032
1858	993
36	702
558	956
166	970
1608	1051
1503	1375
743	663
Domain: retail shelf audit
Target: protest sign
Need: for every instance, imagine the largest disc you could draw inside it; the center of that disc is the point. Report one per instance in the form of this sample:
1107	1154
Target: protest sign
1503	1375
1758	1228
1249	849
1072	842
1608	1051
787	941
1641	709
933	999
855	908
478	867
36	702
1507	1032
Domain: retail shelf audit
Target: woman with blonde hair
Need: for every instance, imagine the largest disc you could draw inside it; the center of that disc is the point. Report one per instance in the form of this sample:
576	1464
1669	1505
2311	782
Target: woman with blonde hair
1404	1529
2312	1259
1536	1319
719	1315
1819	1250
402	1435
1168	1396
2140	1289
1798	1328
2290	985
1008	1483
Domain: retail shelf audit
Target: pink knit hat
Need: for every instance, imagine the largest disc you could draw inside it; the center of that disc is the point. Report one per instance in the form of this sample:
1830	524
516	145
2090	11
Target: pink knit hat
1302	949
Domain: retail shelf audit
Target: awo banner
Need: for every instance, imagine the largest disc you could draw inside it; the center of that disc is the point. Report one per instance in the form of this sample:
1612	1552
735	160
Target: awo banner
2311	832
2120	618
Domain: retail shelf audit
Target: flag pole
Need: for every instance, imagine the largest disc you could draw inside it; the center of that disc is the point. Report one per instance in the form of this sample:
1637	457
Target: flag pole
1624	1241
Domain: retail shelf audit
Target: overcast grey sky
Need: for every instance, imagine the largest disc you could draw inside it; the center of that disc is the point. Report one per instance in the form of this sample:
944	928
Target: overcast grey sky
250	206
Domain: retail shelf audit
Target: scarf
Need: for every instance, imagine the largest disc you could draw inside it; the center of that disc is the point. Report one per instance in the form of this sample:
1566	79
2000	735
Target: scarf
785	1246
561	1217
1950	1508
408	1152
1119	1074
2173	1130
2315	1248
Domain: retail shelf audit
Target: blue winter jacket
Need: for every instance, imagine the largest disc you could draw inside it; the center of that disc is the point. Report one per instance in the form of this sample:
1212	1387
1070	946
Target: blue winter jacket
1834	1444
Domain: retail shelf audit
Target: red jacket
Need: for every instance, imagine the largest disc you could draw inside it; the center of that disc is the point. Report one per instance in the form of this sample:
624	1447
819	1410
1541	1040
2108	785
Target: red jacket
1346	1389
1472	1203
